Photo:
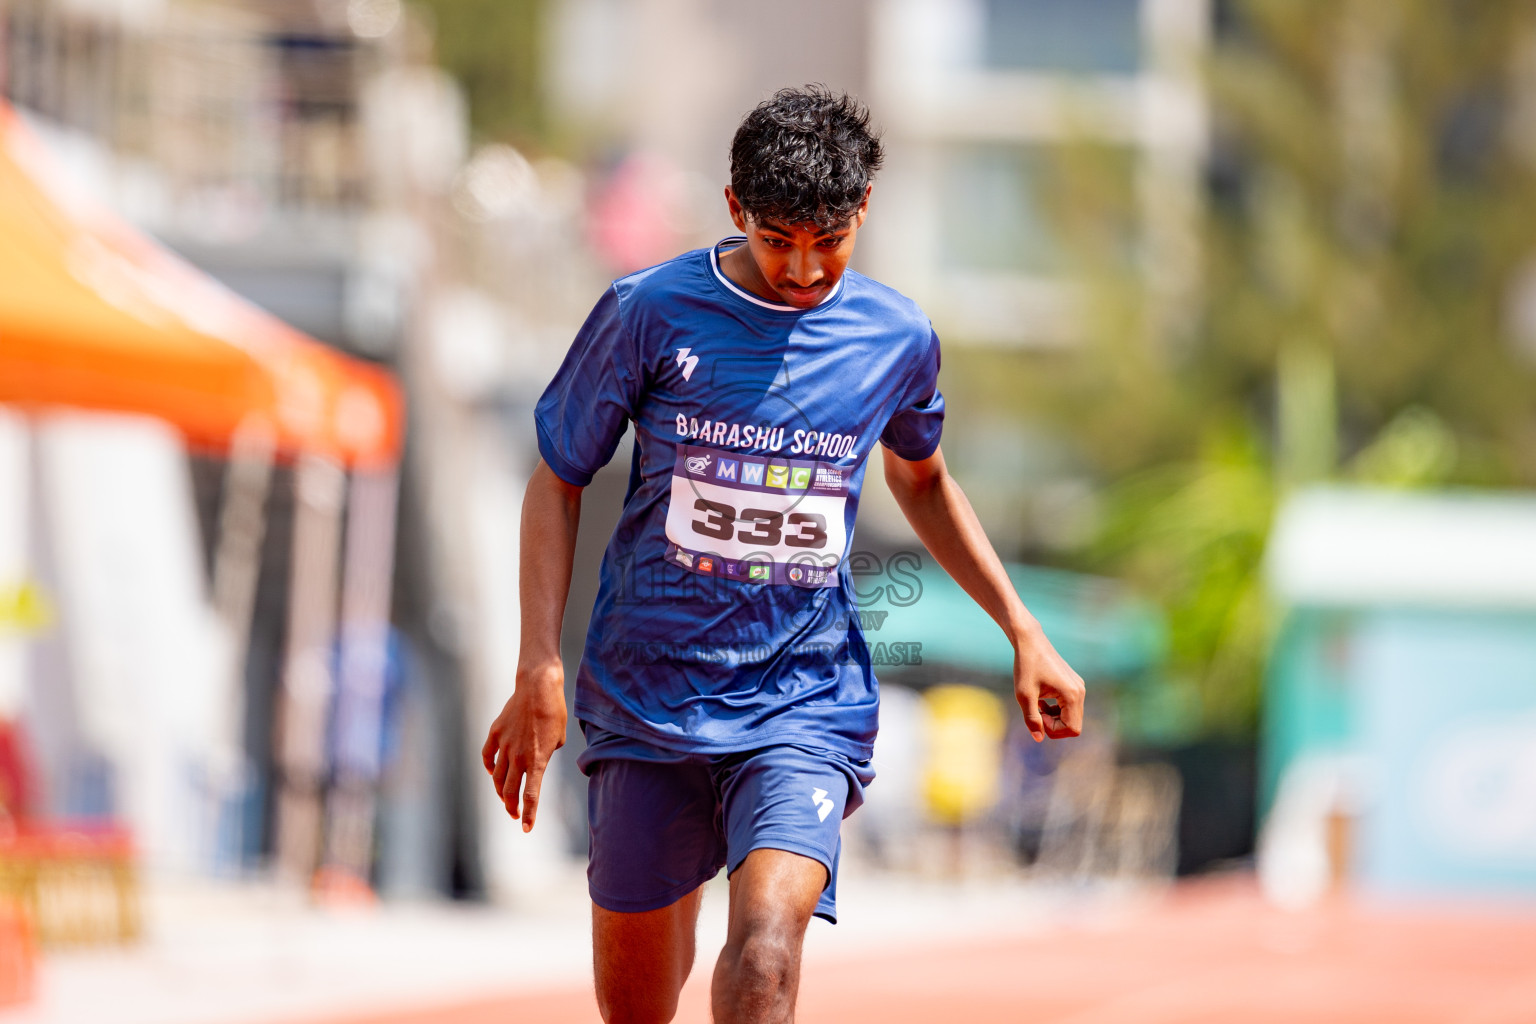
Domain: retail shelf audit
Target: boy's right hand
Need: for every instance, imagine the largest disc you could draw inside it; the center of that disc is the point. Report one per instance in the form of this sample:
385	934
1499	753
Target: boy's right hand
530	728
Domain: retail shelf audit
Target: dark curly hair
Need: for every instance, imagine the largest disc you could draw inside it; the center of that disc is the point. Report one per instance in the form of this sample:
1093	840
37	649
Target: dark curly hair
805	157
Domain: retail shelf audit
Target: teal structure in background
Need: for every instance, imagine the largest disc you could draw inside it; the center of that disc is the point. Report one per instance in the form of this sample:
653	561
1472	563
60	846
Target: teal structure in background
1106	633
1406	665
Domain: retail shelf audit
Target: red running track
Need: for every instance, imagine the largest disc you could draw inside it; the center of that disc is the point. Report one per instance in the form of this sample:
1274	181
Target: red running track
1212	953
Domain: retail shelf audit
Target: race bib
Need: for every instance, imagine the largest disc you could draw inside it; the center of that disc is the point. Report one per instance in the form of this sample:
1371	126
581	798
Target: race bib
756	519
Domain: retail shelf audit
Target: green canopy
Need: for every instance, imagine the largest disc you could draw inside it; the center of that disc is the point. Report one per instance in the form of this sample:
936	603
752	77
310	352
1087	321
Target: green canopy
1105	633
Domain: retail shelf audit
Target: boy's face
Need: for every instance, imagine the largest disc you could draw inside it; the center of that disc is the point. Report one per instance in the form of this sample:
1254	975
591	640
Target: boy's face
800	263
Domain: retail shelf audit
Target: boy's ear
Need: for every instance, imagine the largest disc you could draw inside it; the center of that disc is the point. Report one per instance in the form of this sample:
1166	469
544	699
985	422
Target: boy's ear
738	215
863	210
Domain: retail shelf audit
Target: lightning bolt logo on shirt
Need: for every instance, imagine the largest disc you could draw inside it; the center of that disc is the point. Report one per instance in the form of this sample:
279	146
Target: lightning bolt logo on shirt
687	362
823	805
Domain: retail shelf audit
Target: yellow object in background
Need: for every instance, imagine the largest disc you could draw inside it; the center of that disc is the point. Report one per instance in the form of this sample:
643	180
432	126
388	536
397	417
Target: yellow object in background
966	726
23	609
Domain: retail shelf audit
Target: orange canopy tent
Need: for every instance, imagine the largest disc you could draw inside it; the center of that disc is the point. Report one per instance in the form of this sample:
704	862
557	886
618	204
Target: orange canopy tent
93	314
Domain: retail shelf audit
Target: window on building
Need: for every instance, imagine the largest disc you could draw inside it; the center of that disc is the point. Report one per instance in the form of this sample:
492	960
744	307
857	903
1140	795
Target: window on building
1088	37
997	205
990	210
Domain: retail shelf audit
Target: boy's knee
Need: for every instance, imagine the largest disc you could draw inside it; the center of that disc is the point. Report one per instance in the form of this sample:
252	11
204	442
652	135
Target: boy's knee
765	960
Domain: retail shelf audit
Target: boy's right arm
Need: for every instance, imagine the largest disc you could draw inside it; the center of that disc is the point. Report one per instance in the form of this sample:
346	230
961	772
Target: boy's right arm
532	725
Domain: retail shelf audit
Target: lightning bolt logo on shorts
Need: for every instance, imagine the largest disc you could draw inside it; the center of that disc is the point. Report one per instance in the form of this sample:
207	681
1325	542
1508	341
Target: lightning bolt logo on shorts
687	362
823	805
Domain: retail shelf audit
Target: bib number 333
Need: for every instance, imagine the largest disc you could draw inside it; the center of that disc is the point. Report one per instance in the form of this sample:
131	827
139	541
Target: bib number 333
760	511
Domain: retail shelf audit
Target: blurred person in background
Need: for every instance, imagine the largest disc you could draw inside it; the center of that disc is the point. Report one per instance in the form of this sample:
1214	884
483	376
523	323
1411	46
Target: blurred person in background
962	771
725	692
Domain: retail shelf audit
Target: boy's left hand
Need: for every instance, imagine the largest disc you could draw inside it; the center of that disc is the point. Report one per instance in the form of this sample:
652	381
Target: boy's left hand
1049	692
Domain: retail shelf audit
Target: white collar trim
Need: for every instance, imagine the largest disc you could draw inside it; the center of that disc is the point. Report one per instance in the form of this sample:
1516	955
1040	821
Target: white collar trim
714	264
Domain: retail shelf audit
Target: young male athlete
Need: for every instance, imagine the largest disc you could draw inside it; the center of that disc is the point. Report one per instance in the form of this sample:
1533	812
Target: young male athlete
725	690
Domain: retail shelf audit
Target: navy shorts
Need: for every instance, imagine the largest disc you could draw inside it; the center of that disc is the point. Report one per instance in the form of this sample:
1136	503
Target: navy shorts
665	822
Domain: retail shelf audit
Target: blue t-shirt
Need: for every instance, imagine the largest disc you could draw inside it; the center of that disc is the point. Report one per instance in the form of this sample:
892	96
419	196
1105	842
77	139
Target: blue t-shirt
725	616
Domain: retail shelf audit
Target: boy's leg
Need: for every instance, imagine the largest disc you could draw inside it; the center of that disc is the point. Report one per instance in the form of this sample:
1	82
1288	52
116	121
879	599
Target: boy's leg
782	807
641	960
654	843
773	894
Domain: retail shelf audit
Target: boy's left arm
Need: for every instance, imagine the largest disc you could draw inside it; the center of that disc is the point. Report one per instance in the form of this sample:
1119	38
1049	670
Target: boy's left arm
938	510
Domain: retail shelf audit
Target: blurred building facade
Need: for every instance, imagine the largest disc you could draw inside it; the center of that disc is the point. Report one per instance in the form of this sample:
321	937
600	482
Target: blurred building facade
976	95
312	157
973	96
244	135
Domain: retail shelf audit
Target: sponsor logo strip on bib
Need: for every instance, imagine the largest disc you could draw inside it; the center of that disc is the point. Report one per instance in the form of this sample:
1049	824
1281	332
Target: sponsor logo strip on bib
757	519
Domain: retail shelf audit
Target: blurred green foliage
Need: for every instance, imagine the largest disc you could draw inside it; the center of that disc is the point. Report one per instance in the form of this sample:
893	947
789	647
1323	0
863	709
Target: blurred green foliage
494	48
1365	257
1377	152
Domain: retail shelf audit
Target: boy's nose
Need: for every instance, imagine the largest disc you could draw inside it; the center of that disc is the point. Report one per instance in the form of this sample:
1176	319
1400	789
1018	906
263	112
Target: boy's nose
804	271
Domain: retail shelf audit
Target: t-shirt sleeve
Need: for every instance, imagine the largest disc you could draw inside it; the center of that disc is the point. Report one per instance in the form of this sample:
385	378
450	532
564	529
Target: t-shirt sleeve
582	414
913	432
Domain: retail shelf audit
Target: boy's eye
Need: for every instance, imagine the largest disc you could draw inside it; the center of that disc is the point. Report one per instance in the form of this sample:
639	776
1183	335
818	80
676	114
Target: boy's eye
776	243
